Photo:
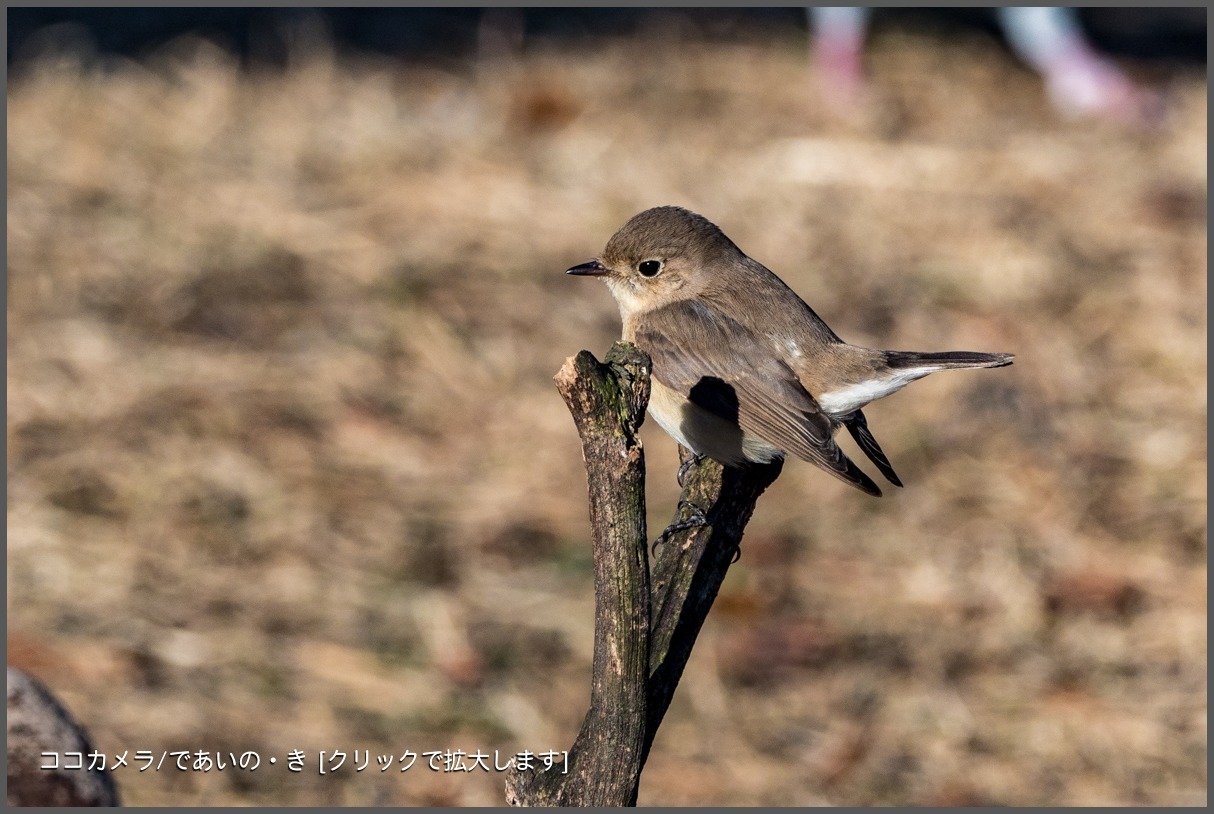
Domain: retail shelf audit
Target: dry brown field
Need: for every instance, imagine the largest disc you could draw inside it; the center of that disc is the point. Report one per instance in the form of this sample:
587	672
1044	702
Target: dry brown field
287	469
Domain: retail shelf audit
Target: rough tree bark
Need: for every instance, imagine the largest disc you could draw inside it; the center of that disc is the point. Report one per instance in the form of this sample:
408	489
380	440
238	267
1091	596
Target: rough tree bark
643	635
37	723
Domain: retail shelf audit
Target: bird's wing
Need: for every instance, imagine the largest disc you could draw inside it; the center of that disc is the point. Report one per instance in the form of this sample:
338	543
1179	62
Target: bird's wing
727	369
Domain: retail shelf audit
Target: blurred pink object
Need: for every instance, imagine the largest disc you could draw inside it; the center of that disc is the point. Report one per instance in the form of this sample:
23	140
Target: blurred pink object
1079	81
838	43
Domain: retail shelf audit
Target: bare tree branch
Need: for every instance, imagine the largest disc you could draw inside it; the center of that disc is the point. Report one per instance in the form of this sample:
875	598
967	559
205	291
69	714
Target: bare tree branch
642	638
608	405
690	567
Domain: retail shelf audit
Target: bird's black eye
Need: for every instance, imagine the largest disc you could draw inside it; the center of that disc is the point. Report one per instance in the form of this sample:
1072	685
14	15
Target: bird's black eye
650	268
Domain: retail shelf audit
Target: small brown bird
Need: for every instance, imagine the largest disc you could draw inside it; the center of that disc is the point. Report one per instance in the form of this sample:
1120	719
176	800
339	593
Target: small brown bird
743	370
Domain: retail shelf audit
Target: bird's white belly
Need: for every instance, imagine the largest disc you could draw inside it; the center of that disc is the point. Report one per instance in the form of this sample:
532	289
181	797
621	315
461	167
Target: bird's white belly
846	400
705	433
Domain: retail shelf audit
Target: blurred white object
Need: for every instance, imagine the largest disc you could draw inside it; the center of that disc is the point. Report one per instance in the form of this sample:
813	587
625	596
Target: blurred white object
1079	80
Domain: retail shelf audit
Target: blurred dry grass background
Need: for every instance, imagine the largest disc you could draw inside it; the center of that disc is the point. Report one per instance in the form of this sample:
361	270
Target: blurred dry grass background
287	469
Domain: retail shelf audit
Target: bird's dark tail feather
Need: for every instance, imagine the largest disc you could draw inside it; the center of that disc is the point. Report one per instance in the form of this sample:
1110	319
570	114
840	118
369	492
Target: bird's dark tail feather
857	425
901	359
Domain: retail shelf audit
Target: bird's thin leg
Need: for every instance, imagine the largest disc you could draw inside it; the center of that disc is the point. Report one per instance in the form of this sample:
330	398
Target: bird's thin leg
695	518
687	465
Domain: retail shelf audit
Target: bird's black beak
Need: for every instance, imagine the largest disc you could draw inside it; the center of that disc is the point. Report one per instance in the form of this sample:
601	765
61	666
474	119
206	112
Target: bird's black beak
592	269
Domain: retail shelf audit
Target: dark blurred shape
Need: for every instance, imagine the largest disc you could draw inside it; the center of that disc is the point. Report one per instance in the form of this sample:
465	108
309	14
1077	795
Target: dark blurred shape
132	32
38	723
248	302
769	652
88	493
523	542
1089	590
1154	32
426	555
1173	203
262	35
960	795
37	440
543	106
256	34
